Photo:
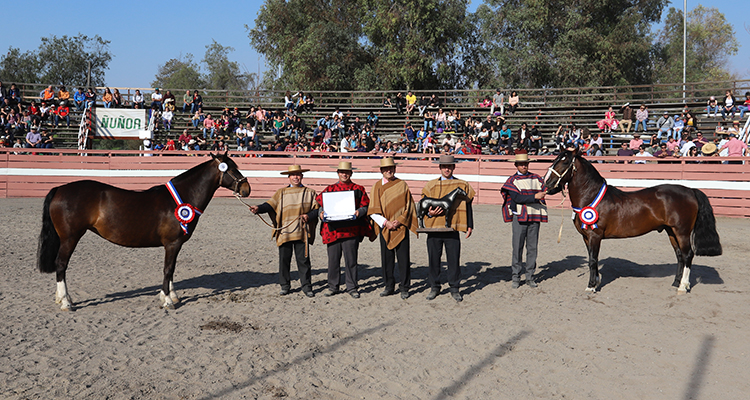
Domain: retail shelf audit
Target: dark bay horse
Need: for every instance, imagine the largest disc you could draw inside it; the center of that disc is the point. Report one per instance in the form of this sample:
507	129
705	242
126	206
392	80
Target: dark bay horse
447	203
684	213
129	218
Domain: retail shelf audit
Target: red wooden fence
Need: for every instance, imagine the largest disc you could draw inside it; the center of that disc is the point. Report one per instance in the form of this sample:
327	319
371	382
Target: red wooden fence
33	175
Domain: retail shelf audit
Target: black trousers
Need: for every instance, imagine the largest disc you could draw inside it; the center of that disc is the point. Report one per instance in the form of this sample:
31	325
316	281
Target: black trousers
452	243
303	265
349	247
388	264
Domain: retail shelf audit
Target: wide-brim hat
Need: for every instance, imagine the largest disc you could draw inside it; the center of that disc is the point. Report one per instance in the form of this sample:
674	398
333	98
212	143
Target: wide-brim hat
522	157
294	169
387	162
446	159
344	166
708	149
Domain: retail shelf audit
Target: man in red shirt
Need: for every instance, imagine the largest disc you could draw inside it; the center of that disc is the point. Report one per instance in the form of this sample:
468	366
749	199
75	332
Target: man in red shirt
344	236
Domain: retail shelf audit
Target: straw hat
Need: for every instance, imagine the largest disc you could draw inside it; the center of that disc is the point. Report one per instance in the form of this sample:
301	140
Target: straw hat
387	162
522	157
446	159
708	149
344	166
294	169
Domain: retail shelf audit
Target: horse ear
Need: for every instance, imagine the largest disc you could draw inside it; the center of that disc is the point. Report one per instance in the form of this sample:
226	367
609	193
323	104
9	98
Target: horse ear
226	152
212	155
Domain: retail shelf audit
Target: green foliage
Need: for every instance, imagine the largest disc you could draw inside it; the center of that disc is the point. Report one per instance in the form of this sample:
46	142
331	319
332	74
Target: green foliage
59	60
222	73
710	42
546	43
65	60
19	67
179	73
316	43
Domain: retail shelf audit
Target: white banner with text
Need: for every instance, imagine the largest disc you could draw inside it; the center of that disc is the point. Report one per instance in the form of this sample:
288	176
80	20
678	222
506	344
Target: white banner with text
121	123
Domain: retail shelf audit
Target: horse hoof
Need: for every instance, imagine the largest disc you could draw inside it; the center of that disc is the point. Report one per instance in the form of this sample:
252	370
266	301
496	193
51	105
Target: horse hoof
591	289
168	306
66	307
682	291
174	298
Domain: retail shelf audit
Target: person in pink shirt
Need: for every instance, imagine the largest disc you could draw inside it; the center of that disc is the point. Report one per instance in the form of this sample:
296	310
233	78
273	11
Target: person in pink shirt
735	147
672	144
635	142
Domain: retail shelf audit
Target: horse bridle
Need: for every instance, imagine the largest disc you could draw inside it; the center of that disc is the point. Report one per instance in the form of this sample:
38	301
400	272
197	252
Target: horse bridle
236	182
559	175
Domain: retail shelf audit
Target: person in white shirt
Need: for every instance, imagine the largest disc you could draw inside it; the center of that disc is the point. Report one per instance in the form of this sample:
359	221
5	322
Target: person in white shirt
642	153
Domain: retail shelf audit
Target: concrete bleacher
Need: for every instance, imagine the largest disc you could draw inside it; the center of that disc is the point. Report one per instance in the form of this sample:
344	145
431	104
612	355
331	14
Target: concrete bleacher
545	109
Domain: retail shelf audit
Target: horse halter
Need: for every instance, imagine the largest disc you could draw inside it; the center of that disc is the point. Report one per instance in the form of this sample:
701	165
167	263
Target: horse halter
560	176
236	182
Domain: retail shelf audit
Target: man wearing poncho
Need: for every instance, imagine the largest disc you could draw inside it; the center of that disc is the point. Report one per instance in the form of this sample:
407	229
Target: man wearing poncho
524	206
393	211
461	221
343	237
291	208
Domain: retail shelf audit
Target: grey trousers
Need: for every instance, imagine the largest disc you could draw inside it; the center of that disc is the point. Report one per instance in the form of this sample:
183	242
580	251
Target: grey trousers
528	233
349	247
303	265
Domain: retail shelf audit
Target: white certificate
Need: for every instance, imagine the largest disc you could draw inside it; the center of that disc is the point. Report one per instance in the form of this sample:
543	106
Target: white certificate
338	206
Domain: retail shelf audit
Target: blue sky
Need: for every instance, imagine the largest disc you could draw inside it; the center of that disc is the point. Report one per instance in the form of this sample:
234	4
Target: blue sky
145	34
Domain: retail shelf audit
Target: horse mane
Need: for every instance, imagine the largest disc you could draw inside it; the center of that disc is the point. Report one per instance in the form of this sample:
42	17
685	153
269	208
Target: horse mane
190	172
599	179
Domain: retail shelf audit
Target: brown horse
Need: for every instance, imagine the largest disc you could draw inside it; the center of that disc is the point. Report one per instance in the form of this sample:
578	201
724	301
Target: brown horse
684	213
131	218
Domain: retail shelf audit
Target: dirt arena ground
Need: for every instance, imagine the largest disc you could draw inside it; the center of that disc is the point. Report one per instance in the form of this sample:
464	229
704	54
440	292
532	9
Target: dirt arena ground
233	337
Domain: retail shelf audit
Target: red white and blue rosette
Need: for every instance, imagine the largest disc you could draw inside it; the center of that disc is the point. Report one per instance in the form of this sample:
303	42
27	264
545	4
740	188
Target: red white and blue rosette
588	215
185	212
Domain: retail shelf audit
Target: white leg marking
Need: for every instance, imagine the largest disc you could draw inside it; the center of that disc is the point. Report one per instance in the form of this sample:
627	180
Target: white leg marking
685	282
598	281
62	297
168	304
173	294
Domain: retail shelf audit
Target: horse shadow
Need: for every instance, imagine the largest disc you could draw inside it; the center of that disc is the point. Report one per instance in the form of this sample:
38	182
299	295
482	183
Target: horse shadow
555	268
216	283
614	268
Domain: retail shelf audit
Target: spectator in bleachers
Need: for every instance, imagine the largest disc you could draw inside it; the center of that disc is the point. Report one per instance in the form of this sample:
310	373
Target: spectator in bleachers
484	102
90	98
168	114
627	118
735	147
79	97
522	137
624	151
33	138
372	119
664	125
107	98
497	102
663	151
440	119
679	126
641	117
117	101
209	127
14	95
197	101
429	120
289	101
187	101
62	113
535	141
156	99
411	102
260	119
513	102
642	153
47	95
595	151
424	102
45	113
505	136
197	119
609	122
48	140
139	102
3	93
435	101
673	145
712	106
729	107
387	103
169	96
62	94
744	107
400	103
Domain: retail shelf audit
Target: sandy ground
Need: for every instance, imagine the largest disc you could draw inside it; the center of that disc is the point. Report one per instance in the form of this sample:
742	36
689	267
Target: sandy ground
233	337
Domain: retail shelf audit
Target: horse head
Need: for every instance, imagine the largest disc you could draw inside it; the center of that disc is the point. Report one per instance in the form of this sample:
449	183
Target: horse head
231	177
561	171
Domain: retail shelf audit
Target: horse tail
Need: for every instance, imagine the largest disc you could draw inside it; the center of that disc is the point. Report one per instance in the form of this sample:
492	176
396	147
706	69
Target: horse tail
49	240
705	238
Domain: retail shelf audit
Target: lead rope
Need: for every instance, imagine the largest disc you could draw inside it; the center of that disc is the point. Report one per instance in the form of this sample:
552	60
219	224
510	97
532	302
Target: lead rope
562	214
303	225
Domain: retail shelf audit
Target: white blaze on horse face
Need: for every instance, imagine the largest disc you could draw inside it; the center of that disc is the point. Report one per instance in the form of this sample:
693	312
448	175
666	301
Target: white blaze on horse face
62	297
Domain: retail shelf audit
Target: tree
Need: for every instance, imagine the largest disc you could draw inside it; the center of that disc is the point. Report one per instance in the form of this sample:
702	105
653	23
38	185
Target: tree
316	43
19	67
179	73
66	60
414	44
63	60
710	42
547	43
222	73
